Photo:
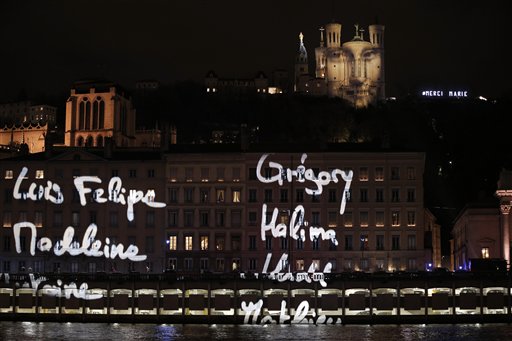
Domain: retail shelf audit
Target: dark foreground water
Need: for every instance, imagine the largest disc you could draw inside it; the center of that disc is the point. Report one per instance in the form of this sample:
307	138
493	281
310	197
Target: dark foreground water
27	331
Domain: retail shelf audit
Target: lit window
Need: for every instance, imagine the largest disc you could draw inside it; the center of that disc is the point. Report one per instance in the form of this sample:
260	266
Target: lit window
485	252
172	243
363	174
299	265
379	174
363	219
236	195
315	263
7	219
9	174
220	195
204	243
188	243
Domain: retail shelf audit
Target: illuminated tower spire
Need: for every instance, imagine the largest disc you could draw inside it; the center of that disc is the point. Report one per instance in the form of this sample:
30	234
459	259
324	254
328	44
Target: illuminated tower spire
301	62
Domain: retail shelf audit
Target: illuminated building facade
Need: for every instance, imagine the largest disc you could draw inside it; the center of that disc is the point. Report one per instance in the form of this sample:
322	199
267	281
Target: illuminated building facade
237	86
137	169
353	70
215	202
215	208
96	111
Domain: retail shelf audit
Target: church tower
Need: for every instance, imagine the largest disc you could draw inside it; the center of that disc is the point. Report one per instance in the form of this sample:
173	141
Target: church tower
96	111
301	65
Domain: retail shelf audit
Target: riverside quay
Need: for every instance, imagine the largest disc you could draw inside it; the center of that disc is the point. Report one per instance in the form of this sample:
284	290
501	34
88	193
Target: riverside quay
346	298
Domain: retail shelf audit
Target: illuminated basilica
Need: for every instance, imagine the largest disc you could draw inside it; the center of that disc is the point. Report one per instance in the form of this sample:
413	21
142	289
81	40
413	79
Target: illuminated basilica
353	70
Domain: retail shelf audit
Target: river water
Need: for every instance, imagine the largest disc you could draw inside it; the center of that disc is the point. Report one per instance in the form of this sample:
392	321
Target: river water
27	331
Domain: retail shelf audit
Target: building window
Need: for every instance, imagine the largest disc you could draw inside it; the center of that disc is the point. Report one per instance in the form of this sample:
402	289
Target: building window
188	264
411	173
411	195
132	173
188	217
252	174
204	243
411	218
315	264
204	264
205	174
7	222
332	218
172	264
299	195
395	218
348	243
151	173
363	218
315	218
299	265
252	218
363	242
252	264
347	264
236	218
268	242
379	174
485	252
113	219
173	218
332	195
252	243
220	195
203	218
204	195
252	195
347	219
395	242
189	195
150	244
236	195
173	243
150	219
379	242
363	195
189	243
411	242
173	174
189	174
9	174
300	244
38	218
39	174
363	174
268	195
283	195
219	264
395	195
364	264
236	174
219	218
395	173
235	243
173	195
220	243
379	218
75	219
220	174
411	264
379	195
7	243
348	195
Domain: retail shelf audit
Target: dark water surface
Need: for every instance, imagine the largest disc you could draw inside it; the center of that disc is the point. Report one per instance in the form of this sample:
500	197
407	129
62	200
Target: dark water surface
27	331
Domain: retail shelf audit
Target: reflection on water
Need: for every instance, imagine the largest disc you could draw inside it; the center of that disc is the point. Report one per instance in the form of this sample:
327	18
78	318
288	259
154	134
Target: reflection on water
27	331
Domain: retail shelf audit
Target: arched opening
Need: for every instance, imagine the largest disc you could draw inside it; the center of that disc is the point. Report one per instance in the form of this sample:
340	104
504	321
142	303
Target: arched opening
89	141
99	141
80	141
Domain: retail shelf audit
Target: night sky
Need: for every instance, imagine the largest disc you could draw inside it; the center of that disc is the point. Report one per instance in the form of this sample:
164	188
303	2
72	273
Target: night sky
48	44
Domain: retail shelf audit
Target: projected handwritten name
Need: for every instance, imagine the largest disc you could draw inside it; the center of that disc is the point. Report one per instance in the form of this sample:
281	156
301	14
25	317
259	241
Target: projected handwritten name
253	312
297	227
116	192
